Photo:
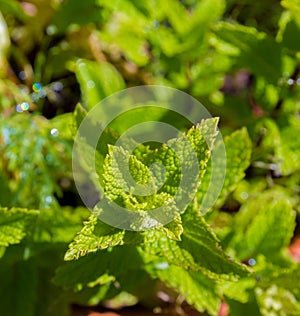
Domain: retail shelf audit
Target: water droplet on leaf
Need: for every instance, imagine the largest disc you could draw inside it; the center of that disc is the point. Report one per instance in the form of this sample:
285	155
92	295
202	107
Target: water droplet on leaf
54	132
91	84
24	106
36	87
252	262
48	199
244	195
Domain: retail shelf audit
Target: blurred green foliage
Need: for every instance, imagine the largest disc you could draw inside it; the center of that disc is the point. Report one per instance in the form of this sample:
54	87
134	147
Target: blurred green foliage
241	59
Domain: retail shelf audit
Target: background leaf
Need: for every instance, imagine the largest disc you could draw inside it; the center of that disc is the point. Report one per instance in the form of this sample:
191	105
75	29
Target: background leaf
15	224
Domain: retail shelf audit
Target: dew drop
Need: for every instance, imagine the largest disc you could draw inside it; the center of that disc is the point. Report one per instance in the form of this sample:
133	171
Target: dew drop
162	265
298	81
54	132
91	84
24	106
252	262
48	199
244	195
36	87
290	81
19	109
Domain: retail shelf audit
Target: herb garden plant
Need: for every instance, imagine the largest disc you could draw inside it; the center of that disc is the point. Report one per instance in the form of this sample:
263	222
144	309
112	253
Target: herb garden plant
58	60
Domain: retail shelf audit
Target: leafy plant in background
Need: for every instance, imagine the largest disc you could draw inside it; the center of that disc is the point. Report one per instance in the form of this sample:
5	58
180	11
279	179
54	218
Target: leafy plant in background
243	66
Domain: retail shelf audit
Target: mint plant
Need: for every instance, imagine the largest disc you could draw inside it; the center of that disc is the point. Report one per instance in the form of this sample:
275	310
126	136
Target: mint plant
241	60
184	254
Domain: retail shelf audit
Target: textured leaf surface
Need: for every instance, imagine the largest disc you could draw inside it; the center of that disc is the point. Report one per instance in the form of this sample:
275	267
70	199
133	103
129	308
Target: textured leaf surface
287	278
173	229
131	184
198	249
238	153
201	139
199	240
198	290
263	226
93	236
124	175
238	291
15	224
157	244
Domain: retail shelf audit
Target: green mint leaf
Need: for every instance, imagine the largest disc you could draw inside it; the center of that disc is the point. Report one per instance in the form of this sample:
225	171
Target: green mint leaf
174	229
200	241
238	153
198	249
59	226
15	224
157	244
198	290
94	235
97	80
79	114
238	291
252	49
90	269
263	226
